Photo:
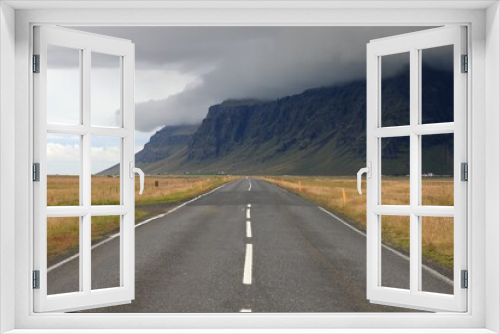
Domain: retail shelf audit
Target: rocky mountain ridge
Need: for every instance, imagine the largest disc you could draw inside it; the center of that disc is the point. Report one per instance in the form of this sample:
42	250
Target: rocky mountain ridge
321	131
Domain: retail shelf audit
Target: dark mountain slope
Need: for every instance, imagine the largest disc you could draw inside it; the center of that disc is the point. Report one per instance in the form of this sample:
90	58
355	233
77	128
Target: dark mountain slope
320	131
166	142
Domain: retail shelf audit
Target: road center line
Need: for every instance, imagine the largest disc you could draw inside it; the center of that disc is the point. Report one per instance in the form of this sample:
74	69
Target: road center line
247	272
250	185
249	229
248	213
249	205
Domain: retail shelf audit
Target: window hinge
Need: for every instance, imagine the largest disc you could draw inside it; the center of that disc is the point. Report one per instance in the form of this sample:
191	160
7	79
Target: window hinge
36	172
464	171
36	63
465	63
36	279
465	279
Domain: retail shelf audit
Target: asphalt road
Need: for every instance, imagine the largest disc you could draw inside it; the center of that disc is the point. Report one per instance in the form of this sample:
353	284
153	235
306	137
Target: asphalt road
218	254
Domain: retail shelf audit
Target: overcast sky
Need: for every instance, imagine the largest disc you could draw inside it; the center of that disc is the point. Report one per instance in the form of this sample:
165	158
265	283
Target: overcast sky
181	71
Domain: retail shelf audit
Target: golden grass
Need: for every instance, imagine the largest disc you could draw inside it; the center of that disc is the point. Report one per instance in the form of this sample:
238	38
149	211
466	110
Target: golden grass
177	188
63	233
339	194
64	190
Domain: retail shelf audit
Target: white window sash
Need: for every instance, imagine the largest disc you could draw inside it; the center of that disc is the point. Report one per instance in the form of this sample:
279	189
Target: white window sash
86	297
414	297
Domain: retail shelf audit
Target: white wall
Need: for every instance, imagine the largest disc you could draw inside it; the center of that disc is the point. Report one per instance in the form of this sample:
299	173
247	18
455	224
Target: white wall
7	160
486	95
492	150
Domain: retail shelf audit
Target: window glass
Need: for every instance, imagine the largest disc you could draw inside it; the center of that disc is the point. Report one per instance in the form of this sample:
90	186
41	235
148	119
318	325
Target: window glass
63	75
395	93
437	253
437	169
437	85
395	234
105	90
63	169
106	258
63	242
395	176
106	170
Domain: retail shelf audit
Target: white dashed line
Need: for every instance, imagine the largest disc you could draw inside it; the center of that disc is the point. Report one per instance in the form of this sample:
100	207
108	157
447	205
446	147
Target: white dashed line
250	185
248	213
245	310
249	229
249	205
247	272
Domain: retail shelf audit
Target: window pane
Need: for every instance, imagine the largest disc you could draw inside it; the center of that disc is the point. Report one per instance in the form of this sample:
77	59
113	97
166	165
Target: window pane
63	85
63	241
437	253
106	156
105	256
395	232
437	85
105	90
437	170
63	169
395	93
395	171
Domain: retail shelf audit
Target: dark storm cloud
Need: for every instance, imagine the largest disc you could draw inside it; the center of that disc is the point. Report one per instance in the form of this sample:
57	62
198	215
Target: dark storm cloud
245	62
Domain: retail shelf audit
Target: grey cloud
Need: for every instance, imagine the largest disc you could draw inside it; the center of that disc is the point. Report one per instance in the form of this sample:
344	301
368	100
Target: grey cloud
183	108
245	62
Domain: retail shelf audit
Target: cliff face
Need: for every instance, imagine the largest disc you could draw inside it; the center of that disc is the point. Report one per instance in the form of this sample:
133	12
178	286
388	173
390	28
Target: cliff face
165	142
320	131
290	135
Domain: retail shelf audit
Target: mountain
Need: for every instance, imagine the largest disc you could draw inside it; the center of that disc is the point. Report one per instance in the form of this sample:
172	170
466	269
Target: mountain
166	142
321	131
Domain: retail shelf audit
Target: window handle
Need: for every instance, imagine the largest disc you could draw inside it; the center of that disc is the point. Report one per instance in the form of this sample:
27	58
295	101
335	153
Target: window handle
368	171
135	170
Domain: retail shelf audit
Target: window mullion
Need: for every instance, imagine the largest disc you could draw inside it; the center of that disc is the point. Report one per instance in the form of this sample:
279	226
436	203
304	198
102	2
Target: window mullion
85	272
418	172
414	170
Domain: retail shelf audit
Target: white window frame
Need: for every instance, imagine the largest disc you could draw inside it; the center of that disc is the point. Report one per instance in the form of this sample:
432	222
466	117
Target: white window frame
413	44
86	44
482	19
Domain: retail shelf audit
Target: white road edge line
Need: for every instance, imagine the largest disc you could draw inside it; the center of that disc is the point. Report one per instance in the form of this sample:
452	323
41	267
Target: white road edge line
426	268
247	272
111	237
250	185
246	310
249	229
248	213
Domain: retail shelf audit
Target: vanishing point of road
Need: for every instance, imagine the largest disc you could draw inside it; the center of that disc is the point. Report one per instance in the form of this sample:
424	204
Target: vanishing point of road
249	246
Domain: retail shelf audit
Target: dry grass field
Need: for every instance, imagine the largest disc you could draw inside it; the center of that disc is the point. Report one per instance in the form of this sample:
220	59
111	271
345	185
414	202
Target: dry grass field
340	195
64	190
63	233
